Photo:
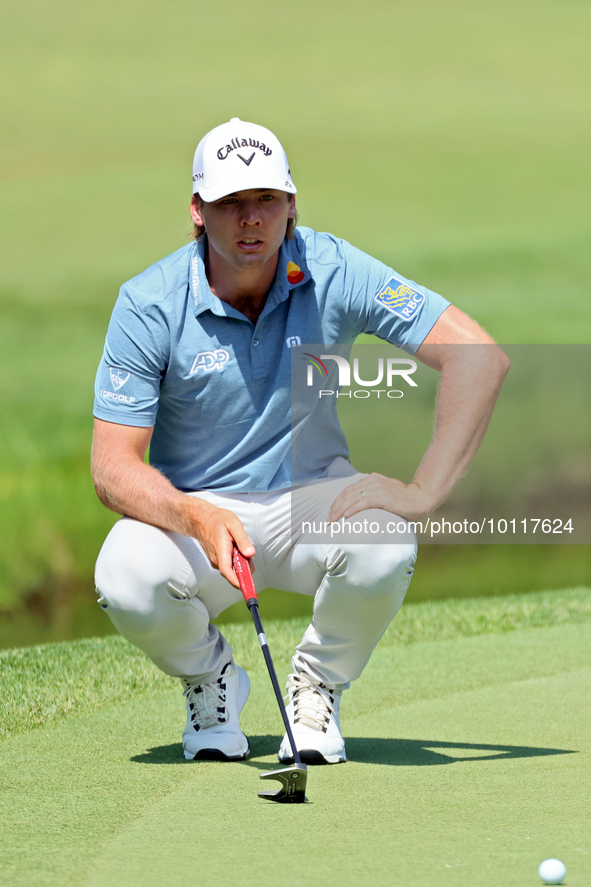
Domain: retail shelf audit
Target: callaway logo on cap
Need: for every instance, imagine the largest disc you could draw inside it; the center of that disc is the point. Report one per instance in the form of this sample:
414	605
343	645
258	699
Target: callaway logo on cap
236	156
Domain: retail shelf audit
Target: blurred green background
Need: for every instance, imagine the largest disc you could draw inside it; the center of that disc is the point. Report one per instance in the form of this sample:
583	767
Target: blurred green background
449	139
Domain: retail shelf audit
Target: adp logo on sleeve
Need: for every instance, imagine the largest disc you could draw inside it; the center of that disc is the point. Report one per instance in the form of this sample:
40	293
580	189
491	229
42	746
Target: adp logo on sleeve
401	299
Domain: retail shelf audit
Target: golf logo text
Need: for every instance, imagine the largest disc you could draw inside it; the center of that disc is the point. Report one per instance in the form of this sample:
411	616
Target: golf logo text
243	143
195	278
207	361
400	298
396	369
118	380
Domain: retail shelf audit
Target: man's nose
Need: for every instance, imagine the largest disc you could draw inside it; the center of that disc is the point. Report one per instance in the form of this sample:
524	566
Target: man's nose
250	214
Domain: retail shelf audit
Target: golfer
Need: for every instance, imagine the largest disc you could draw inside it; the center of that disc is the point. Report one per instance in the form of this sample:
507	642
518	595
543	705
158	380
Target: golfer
196	367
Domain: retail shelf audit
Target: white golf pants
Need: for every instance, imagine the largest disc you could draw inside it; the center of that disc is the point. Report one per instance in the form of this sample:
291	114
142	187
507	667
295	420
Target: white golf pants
160	591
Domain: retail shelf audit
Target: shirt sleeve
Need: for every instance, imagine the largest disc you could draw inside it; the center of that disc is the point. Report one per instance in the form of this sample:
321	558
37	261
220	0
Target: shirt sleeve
383	303
134	361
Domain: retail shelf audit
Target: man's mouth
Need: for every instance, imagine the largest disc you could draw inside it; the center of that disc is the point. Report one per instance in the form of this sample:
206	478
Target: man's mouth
249	243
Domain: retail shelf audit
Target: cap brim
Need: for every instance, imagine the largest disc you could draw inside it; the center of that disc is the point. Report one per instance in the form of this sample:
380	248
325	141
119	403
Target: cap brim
225	188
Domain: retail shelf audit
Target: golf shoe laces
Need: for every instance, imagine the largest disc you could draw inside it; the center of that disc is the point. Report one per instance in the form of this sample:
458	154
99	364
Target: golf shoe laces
313	704
207	702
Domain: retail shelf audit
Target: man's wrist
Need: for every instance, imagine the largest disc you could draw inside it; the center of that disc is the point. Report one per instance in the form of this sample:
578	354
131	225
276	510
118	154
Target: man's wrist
194	511
428	498
197	514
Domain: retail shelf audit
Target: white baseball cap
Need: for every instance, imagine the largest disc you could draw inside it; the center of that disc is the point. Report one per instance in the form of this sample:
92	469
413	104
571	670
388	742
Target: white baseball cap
236	156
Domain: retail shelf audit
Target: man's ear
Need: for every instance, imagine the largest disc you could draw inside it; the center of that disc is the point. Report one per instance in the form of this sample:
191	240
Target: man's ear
196	212
292	207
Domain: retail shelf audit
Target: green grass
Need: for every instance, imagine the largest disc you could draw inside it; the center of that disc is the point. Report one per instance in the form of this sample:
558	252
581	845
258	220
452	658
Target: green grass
468	763
47	683
445	139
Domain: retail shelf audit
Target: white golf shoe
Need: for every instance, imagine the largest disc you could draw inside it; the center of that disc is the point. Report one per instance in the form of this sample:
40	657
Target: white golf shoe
213	729
313	712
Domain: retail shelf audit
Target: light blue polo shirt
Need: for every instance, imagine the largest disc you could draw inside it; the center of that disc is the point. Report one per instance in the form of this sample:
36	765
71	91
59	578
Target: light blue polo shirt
217	388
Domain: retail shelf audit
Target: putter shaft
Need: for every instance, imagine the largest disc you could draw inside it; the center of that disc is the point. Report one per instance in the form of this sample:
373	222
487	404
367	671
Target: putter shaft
253	606
293	779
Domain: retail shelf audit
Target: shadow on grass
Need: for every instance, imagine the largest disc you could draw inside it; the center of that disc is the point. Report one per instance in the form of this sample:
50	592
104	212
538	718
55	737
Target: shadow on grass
393	752
427	752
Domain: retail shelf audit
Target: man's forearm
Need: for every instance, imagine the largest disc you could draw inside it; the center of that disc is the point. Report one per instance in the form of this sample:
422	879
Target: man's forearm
471	379
127	485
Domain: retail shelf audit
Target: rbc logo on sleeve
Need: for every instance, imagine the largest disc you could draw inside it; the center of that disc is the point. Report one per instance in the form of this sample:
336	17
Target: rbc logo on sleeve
401	299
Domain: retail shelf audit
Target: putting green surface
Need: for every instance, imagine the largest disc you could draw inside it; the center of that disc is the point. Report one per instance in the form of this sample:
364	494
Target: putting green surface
469	764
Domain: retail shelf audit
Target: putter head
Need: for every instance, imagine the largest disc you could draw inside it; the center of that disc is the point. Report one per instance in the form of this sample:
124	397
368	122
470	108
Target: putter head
293	784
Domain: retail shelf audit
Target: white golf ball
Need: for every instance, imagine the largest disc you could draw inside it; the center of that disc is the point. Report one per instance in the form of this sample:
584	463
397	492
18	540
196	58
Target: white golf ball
552	871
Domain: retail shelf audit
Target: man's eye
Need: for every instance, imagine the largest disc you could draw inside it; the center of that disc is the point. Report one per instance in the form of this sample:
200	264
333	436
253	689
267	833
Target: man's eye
267	197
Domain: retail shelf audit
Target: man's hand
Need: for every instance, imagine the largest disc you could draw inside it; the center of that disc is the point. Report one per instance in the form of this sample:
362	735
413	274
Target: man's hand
218	530
378	491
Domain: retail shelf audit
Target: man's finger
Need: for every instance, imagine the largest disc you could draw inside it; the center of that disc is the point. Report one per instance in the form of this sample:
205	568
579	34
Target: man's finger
343	500
236	536
243	543
224	552
355	509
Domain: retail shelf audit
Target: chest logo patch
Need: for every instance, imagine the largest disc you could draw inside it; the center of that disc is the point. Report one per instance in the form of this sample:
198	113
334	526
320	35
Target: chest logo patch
294	273
208	361
401	299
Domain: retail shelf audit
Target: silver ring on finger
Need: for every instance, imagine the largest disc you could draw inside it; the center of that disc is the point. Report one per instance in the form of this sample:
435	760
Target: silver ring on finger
363	494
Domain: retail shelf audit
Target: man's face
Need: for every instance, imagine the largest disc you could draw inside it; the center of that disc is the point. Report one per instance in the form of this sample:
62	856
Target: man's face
246	228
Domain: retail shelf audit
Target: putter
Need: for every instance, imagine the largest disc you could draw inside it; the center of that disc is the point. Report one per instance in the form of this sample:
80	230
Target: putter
293	779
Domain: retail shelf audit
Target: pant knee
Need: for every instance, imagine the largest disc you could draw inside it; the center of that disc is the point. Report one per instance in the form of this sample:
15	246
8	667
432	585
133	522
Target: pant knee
122	580
135	570
376	570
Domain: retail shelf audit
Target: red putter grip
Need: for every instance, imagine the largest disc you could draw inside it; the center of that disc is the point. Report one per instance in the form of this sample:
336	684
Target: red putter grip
242	569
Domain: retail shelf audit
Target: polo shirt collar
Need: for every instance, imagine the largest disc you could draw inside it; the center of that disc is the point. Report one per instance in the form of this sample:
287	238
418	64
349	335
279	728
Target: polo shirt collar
292	271
203	298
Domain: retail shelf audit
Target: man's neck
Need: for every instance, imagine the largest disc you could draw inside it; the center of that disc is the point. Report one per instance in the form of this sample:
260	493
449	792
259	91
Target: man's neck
245	289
